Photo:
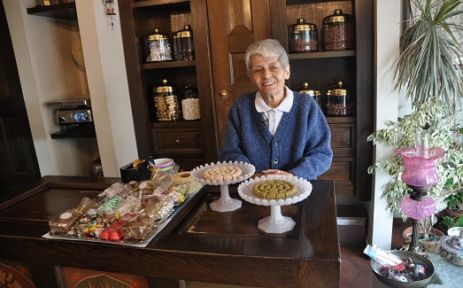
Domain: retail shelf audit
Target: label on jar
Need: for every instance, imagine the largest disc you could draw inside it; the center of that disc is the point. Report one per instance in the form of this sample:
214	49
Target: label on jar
65	215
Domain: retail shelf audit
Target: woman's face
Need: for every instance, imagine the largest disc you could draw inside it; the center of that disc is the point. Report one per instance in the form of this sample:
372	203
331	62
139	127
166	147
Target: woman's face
268	75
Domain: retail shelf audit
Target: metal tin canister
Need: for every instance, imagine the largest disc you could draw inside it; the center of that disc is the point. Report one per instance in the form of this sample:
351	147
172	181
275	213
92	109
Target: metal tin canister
338	101
338	31
303	37
166	103
157	47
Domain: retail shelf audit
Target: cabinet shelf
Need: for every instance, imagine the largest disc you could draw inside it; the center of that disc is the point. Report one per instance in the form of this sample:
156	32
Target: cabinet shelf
176	124
162	65
321	54
338	120
73	134
65	11
177	5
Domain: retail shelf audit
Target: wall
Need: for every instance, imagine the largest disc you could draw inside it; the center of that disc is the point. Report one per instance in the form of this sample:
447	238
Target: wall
104	55
47	72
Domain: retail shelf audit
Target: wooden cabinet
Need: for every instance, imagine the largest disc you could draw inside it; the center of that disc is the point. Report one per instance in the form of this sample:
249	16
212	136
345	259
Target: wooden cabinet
222	32
190	143
352	154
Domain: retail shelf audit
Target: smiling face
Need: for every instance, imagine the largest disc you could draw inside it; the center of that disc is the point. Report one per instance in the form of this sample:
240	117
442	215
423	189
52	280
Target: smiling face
269	76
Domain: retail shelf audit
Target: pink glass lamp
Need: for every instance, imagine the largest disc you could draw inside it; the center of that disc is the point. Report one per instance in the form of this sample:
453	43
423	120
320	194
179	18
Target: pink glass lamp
420	174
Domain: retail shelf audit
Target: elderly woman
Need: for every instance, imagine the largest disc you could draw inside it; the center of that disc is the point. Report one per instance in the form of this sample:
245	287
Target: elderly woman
277	130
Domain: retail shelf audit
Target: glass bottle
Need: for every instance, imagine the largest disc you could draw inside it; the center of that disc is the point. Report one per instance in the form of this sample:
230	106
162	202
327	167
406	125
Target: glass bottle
190	103
185	44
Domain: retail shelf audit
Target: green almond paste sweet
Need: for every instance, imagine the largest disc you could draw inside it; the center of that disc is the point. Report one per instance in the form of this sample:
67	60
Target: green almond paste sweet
274	189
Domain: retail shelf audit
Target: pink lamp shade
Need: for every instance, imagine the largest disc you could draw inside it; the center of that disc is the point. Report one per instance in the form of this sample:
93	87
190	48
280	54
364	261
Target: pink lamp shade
418	209
420	170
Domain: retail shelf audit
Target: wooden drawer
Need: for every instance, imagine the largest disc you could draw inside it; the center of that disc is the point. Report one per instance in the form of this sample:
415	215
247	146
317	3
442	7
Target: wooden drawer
177	142
342	172
342	139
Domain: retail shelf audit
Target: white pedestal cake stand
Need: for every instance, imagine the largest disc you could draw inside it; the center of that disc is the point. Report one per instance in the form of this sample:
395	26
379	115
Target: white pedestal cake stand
275	223
225	203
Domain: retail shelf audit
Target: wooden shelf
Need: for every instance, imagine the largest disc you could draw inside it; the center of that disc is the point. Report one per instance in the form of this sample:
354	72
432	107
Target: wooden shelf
177	124
162	65
65	11
321	54
178	5
340	119
87	133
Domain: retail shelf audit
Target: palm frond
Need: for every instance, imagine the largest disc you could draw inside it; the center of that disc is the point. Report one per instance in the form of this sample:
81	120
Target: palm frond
431	54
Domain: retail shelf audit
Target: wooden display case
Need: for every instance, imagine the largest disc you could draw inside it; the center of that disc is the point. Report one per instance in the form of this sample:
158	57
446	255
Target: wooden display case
198	244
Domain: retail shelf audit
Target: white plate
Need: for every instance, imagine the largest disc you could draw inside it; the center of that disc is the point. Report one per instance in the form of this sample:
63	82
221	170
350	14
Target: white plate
304	188
247	170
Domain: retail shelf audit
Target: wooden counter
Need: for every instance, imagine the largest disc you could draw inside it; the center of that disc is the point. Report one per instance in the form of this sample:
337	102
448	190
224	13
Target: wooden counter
198	244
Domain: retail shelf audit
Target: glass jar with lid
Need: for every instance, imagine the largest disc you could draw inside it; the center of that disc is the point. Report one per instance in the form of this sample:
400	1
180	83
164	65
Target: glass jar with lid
303	37
183	44
338	31
190	103
315	93
166	103
157	47
338	102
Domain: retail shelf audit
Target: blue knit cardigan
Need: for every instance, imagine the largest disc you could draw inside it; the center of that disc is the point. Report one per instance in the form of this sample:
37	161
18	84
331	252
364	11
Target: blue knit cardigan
301	144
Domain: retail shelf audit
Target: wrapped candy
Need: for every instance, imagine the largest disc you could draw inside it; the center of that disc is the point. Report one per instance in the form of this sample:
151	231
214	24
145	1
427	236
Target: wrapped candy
63	222
110	205
138	229
158	210
128	205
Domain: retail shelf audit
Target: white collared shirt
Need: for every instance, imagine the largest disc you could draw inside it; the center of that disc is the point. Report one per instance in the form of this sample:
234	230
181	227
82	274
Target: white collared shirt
272	116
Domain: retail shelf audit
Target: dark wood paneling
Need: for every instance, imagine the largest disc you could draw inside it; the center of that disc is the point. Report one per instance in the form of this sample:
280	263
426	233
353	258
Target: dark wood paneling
365	95
234	25
138	99
18	162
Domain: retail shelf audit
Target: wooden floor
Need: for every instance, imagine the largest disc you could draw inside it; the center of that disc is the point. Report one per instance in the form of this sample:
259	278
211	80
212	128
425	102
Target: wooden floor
355	266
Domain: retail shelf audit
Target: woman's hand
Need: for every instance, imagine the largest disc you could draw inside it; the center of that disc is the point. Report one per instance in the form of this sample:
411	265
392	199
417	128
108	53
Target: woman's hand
272	172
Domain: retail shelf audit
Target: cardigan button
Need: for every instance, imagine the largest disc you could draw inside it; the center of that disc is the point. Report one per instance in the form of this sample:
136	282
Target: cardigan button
275	161
275	144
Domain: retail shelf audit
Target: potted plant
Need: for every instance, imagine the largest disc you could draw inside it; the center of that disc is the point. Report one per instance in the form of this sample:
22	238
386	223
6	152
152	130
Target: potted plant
443	131
427	71
454	204
430	52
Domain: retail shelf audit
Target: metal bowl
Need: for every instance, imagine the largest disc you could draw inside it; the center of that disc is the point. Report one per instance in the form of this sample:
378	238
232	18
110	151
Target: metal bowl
418	259
451	249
